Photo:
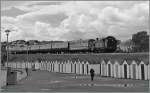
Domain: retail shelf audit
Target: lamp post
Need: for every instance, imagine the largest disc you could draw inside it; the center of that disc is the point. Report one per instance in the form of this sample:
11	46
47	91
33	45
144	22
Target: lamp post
7	48
39	49
27	50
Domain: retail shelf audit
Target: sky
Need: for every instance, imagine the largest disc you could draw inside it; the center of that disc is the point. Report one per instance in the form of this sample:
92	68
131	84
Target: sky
72	20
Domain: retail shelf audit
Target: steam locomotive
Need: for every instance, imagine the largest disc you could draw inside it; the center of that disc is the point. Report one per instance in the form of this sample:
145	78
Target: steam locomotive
103	45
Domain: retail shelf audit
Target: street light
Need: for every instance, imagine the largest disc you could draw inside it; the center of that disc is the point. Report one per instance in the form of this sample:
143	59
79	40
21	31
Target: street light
7	47
27	50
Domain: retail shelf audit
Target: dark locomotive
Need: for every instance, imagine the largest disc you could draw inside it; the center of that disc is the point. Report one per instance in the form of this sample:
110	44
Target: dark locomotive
103	45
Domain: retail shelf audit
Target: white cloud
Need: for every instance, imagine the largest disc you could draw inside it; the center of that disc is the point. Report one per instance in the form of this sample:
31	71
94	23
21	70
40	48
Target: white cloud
75	20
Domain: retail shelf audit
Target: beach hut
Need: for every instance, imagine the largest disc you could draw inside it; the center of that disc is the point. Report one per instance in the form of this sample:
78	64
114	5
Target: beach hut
55	66
13	64
16	64
84	67
110	69
125	69
9	64
42	65
67	67
148	69
64	67
29	66
46	63
134	70
71	67
75	67
103	68
117	70
78	67
129	62
26	65
96	68
5	64
37	65
45	68
87	68
49	66
81	67
61	66
143	71
23	64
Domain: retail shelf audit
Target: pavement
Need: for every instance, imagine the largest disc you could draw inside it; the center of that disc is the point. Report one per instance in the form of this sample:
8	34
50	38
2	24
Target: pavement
44	81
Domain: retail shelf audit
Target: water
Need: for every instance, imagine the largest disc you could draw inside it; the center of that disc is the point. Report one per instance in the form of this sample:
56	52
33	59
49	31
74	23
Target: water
109	85
45	89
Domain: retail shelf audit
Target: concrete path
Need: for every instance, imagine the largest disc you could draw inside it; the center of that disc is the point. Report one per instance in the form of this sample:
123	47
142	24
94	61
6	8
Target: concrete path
43	81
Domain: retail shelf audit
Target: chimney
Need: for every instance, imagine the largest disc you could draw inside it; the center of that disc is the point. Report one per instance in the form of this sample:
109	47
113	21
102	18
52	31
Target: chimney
96	38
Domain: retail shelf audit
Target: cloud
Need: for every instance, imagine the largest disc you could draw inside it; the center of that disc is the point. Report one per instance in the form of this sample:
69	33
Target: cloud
12	12
75	20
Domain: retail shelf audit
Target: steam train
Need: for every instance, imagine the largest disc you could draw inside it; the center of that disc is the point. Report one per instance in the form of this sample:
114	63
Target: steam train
108	44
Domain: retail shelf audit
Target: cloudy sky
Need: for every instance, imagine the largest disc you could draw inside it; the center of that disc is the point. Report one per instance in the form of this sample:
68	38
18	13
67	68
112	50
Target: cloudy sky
70	20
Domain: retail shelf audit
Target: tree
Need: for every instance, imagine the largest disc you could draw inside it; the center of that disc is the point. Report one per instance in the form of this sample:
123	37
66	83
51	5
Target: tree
141	41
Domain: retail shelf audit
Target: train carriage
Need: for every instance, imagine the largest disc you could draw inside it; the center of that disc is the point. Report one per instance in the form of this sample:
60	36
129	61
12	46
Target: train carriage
81	45
108	44
59	47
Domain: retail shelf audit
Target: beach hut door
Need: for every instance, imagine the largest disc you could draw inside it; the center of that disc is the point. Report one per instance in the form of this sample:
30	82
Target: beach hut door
87	69
142	71
134	71
109	70
75	68
125	70
82	68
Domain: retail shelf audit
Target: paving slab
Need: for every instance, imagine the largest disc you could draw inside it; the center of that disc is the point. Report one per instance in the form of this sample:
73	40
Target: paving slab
44	81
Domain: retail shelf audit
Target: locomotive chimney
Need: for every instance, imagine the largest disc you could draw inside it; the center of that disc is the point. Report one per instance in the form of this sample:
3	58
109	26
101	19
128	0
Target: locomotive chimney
96	38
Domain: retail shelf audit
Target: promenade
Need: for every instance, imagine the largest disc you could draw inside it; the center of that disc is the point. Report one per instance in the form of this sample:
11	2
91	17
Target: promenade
44	81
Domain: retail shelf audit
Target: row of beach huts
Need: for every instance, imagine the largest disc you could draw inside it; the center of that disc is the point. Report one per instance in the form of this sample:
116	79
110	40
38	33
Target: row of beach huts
139	70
